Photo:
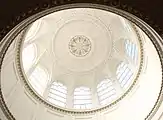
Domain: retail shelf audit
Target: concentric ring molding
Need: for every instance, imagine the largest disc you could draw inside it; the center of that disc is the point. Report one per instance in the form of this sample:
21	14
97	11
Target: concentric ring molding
149	31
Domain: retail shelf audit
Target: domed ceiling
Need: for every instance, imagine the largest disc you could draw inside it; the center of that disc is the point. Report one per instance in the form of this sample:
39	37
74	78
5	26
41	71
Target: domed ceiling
82	58
85	61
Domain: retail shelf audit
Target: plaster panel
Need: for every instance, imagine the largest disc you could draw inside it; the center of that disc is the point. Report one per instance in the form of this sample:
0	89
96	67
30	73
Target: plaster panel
9	79
23	108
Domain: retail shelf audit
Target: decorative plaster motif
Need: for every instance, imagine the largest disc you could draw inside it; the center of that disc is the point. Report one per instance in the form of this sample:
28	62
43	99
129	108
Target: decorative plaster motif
80	46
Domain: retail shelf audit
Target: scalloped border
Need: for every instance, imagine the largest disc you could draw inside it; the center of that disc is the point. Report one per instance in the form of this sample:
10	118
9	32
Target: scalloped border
149	31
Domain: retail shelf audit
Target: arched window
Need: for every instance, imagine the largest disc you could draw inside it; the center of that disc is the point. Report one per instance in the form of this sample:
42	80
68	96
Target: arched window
29	56
124	74
131	50
126	24
39	79
57	94
31	33
82	98
106	92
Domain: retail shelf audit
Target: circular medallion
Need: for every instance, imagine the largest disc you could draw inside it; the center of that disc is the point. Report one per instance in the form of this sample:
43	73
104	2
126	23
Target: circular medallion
80	46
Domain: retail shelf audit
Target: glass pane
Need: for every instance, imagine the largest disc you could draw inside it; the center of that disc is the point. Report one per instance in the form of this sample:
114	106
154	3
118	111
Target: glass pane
131	50
82	98
105	91
28	56
124	75
39	80
58	92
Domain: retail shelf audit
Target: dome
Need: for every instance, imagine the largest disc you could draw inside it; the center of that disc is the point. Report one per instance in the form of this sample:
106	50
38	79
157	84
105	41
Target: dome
89	62
69	64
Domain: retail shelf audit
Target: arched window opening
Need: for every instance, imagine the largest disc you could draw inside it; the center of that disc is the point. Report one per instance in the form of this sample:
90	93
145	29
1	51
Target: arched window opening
106	92
131	50
39	79
82	98
29	56
57	94
126	24
31	33
124	75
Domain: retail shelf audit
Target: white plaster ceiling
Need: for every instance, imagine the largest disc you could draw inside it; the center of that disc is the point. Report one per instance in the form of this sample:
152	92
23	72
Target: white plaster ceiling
106	34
